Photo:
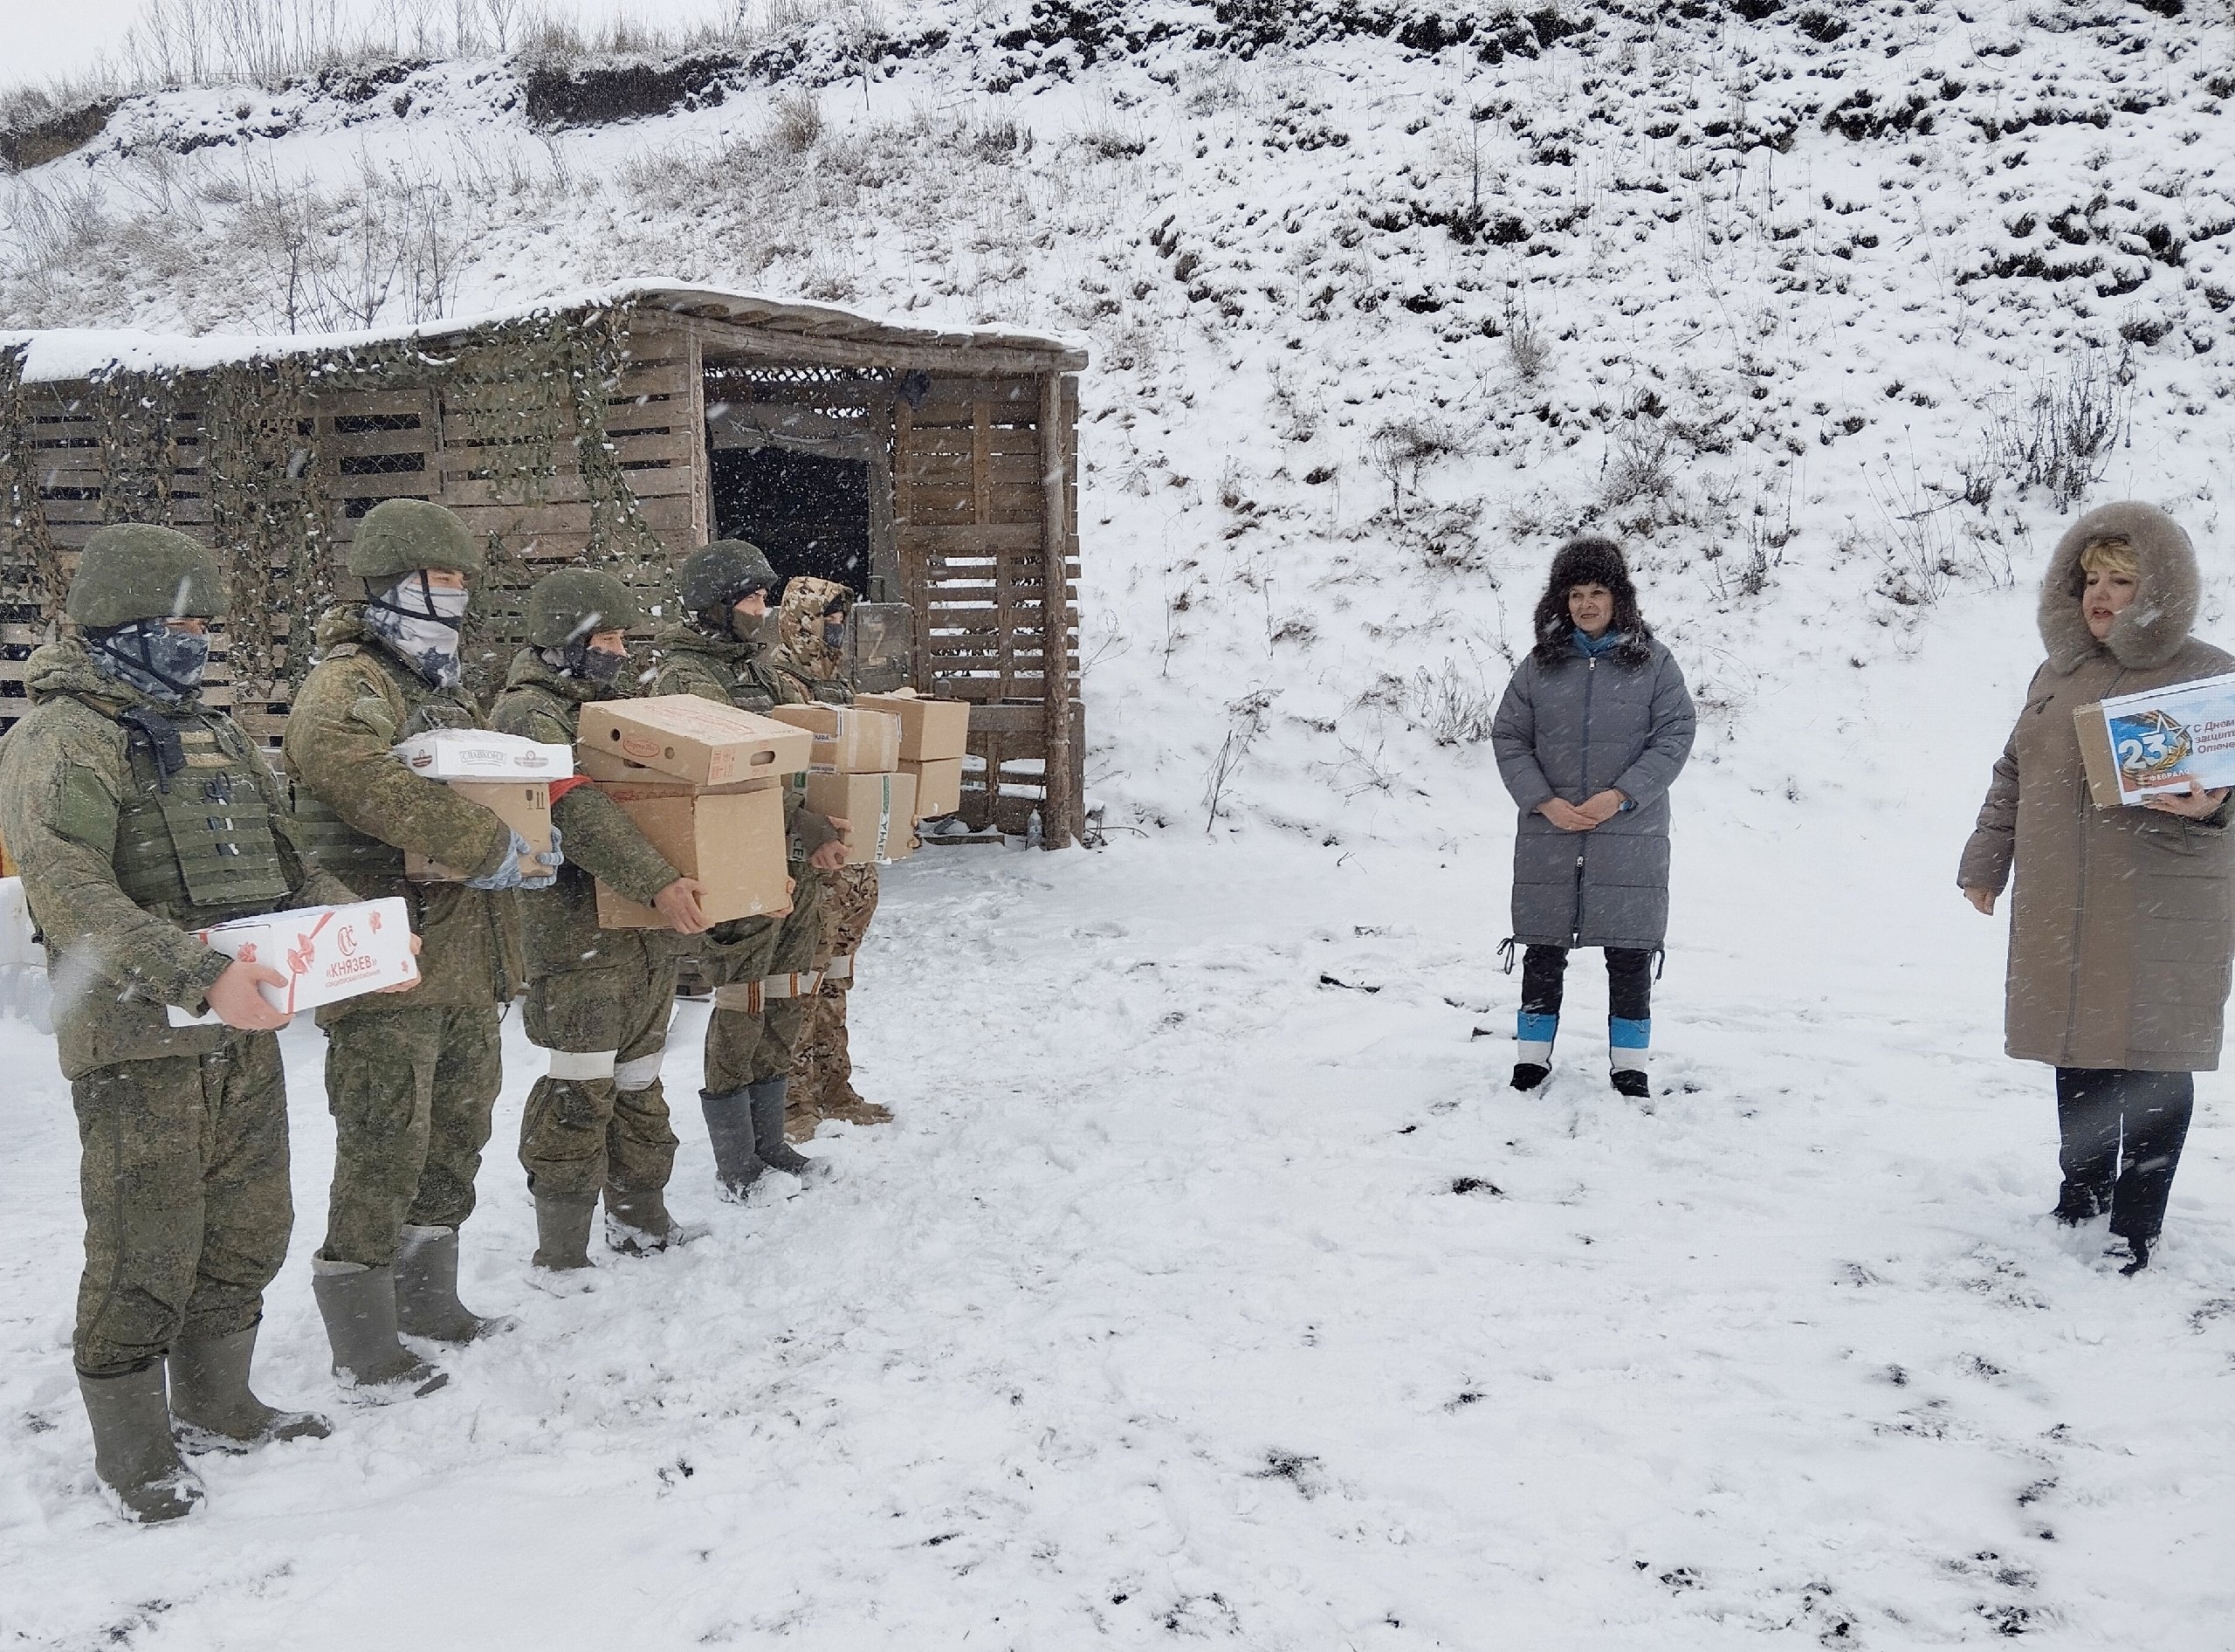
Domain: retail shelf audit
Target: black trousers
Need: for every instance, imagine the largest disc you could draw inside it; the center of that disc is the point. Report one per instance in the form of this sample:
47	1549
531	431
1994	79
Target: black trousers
2122	1133
1629	981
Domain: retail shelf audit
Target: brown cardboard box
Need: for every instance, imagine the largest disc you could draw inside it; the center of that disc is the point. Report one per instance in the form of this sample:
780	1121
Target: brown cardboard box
731	840
939	786
931	730
880	808
602	765
699	740
2161	740
523	805
847	741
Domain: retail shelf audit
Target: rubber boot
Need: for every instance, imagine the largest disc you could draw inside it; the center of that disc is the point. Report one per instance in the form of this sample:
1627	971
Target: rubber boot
132	1450
426	1291
768	1131
729	1131
358	1305
637	1222
563	1230
211	1399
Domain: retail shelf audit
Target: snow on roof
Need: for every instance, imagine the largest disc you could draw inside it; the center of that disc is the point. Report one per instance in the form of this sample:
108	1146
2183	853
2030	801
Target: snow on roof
67	354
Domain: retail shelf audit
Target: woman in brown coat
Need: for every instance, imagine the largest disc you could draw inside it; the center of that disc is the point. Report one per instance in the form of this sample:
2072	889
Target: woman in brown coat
2123	923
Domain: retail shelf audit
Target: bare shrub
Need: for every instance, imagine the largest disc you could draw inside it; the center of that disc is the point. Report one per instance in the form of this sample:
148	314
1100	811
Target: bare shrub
2061	435
1245	722
798	124
1453	707
1402	450
1526	343
1637	465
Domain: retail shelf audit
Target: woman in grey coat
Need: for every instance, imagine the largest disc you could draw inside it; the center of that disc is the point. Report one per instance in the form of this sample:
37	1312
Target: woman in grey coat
1594	728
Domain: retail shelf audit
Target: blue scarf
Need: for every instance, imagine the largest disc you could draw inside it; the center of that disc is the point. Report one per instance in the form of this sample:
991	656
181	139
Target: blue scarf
1606	643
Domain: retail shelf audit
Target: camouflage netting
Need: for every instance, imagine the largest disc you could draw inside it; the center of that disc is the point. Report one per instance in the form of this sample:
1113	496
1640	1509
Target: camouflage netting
232	453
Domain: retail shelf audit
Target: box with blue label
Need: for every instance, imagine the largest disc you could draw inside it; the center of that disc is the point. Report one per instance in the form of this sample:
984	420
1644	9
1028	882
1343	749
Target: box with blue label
2137	746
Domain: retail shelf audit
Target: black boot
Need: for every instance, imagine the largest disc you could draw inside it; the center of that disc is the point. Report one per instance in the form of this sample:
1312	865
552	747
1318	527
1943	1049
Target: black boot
2139	1245
218	1411
2078	1202
426	1291
1632	1082
769	1141
133	1451
1528	1075
729	1132
358	1305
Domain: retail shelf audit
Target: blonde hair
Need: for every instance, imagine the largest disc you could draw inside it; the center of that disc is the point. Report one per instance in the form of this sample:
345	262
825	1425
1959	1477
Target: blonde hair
2110	554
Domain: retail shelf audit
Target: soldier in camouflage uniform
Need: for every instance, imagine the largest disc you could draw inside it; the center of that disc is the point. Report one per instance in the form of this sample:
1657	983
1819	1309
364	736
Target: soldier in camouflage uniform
807	661
136	816
411	1081
599	999
761	967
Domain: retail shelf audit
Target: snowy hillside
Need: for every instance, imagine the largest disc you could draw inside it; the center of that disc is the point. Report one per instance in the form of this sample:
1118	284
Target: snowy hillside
1212	1285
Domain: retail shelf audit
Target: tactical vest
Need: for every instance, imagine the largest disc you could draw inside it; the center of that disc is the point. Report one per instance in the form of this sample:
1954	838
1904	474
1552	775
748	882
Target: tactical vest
350	854
201	848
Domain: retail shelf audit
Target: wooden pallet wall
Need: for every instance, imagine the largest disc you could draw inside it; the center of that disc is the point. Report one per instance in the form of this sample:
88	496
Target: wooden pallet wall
971	515
372	445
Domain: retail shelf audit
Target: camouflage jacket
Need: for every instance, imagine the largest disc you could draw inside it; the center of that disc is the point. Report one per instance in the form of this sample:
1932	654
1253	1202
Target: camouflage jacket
362	808
602	845
715	668
805	669
718	669
72	776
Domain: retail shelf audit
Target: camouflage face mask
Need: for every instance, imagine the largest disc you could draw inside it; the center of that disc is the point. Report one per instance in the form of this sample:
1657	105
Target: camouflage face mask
152	658
422	624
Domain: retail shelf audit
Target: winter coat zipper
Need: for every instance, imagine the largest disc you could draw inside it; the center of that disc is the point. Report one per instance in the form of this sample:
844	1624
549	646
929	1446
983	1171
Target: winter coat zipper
1583	839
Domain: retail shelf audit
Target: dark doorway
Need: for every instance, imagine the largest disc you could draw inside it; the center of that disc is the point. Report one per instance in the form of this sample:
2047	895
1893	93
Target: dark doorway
811	514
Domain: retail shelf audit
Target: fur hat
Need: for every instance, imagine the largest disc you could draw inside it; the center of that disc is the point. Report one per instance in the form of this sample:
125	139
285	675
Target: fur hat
1589	560
2152	628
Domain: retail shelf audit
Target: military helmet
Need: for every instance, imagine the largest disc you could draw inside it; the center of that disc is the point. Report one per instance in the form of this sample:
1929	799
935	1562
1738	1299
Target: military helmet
722	573
573	604
402	536
134	571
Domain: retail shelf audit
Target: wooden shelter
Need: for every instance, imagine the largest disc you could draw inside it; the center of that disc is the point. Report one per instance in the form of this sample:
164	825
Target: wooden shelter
931	469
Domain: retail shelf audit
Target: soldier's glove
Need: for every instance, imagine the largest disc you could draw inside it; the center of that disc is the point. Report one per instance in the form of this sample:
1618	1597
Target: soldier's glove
554	858
518	870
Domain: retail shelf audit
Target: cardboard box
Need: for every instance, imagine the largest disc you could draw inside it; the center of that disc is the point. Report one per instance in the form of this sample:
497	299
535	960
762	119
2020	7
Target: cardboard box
480	753
327	953
603	767
731	840
932	731
523	805
847	741
880	810
939	786
2138	745
699	740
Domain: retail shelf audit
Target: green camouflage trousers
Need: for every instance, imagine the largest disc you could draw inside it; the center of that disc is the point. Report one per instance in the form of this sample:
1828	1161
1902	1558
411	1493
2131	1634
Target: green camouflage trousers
411	1092
822	1064
599	1119
756	1017
183	1171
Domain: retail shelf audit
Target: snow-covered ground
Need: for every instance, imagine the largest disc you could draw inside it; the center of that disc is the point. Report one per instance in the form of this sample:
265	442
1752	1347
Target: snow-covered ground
1211	1283
1158	1313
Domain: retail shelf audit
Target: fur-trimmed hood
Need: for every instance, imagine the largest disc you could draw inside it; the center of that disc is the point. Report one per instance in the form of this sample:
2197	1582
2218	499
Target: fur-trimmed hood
2153	626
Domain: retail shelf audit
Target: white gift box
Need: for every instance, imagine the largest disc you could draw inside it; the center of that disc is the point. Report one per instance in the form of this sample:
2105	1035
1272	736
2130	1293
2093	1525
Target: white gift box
480	753
327	953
